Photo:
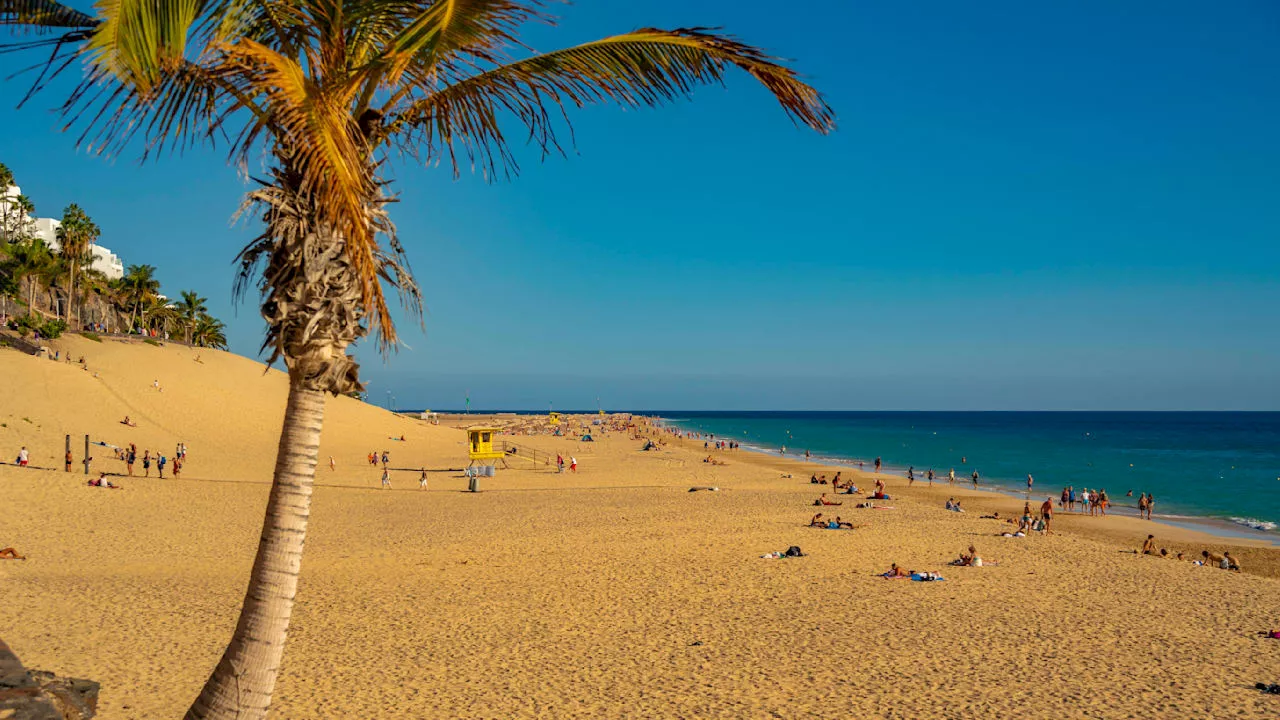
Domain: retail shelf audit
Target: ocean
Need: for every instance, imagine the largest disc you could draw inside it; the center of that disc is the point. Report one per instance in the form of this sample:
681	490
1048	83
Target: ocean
1221	466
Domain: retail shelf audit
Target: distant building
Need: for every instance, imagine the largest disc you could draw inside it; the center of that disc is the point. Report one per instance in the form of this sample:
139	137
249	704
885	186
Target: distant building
104	261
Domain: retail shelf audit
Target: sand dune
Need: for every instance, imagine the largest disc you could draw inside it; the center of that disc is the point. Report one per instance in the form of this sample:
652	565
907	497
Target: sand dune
612	592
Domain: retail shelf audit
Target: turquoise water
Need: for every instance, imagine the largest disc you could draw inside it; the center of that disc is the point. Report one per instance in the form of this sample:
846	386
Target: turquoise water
1197	464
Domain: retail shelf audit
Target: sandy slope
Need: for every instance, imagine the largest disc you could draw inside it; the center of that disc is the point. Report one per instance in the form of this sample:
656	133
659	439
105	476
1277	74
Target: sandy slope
609	593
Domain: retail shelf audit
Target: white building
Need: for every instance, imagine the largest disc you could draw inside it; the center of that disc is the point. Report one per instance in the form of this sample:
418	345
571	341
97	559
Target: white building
104	261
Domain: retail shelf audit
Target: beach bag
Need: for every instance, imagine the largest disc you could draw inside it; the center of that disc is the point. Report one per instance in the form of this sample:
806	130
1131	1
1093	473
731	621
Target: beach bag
794	551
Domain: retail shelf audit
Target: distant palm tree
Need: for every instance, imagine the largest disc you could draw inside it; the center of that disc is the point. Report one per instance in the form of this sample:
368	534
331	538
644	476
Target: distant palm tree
76	237
191	307
138	287
325	91
29	262
209	332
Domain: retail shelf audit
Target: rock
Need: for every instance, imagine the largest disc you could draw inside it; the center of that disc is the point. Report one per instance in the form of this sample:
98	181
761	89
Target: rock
39	695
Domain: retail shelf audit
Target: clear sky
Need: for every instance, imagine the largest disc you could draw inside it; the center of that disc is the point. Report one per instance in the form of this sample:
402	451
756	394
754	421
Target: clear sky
1024	207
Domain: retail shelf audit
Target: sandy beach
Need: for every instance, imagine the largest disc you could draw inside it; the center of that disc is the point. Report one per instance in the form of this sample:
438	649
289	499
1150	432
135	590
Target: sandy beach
606	593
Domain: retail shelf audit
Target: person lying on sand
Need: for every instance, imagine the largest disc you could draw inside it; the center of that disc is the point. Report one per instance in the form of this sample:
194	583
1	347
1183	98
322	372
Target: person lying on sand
824	501
102	481
10	554
993	516
127	421
1149	547
818	521
845	525
894	572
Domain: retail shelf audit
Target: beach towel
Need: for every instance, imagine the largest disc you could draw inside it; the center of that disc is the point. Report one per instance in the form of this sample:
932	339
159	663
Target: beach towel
917	577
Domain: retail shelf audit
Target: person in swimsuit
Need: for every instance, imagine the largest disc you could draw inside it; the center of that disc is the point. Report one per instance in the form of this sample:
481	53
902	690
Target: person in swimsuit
895	571
146	463
1149	547
1151	504
1046	511
386	478
825	501
877	464
10	554
818	521
975	479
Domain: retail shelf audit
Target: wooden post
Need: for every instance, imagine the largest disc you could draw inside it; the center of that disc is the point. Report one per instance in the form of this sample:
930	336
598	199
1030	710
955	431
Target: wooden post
86	454
67	467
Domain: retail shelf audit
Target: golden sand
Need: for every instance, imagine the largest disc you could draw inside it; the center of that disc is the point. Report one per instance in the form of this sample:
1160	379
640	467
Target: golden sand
612	592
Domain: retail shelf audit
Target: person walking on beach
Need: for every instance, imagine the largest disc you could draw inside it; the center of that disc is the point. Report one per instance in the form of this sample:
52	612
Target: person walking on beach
1142	505
930	476
877	464
160	461
573	464
385	458
333	465
146	463
24	457
911	475
386	478
951	477
559	462
422	481
1046	512
131	458
1151	504
975	479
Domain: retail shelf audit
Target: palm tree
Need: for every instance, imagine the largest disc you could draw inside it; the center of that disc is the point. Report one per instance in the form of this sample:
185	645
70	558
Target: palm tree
76	237
326	91
191	307
137	288
209	332
160	315
29	261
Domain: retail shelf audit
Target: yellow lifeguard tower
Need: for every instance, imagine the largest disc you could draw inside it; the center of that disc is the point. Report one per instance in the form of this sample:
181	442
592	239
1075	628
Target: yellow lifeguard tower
481	439
482	453
553	418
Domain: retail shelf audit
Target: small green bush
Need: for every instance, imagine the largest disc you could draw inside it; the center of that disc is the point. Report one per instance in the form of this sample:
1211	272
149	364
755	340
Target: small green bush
152	341
91	336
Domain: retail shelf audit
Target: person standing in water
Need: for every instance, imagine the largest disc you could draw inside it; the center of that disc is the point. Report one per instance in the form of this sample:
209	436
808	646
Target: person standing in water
877	464
975	479
1030	481
951	477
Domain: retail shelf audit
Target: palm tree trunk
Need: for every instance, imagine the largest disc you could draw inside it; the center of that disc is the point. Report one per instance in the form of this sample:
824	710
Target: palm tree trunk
241	685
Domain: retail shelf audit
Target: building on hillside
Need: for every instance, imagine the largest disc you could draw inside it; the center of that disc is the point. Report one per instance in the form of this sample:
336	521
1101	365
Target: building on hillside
104	261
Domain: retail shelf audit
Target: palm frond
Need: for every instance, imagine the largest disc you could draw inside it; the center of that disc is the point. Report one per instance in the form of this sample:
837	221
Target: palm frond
644	68
43	15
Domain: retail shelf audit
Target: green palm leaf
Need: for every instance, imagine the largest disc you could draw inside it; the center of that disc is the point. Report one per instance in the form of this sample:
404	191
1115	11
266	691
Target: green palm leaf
40	15
644	68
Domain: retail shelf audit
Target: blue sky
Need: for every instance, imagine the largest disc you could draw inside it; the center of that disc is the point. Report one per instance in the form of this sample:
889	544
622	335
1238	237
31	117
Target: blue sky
1024	207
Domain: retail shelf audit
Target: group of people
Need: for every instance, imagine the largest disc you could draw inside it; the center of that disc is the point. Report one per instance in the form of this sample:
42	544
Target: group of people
130	456
1094	502
819	521
1207	559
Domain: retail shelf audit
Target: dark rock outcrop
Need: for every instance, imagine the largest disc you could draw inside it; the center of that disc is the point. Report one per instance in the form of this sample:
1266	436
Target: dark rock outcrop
39	695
